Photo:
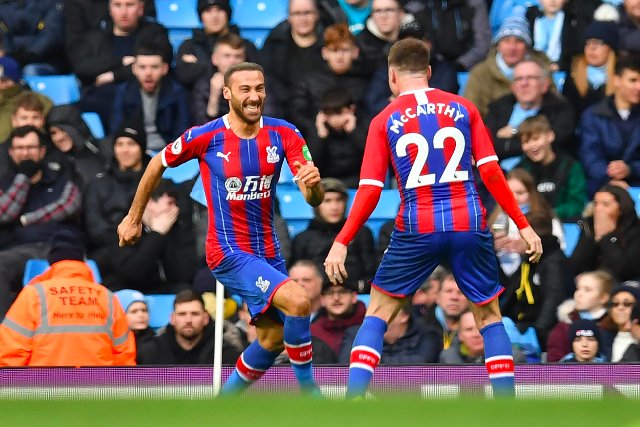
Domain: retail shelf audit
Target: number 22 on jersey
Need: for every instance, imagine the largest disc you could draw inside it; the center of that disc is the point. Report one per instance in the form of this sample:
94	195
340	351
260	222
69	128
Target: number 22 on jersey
449	174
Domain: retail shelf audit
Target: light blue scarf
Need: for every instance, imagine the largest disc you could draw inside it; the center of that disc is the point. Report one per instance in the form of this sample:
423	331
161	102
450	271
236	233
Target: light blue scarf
597	76
503	67
519	114
547	35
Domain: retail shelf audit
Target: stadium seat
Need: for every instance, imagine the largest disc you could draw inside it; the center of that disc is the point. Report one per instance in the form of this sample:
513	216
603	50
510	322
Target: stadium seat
95	124
35	267
182	173
258	13
463	76
176	37
558	79
386	210
178	13
160	307
62	89
635	195
286	178
509	163
256	35
365	298
571	234
294	210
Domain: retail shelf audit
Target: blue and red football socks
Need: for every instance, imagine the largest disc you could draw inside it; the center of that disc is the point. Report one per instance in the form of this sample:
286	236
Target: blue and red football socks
498	358
365	355
297	342
251	365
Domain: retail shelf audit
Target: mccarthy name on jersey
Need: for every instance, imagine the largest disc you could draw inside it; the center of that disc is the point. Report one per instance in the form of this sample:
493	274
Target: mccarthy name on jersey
431	138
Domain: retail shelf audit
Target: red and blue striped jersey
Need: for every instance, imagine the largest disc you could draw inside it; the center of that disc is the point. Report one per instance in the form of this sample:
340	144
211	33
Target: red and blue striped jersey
431	138
239	177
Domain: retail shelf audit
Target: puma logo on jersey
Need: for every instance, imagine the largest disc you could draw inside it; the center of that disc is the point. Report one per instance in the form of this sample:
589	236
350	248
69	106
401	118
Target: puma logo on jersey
263	284
224	156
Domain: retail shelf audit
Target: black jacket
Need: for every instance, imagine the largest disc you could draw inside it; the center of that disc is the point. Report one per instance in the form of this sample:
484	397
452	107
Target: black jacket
616	252
579	102
107	200
314	244
143	338
330	12
33	31
91	55
172	115
419	345
557	110
548	281
164	349
201	46
278	59
83	158
571	38
339	155
305	96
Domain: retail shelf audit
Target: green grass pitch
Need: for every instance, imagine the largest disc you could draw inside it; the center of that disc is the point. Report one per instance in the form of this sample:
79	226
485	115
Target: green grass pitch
285	411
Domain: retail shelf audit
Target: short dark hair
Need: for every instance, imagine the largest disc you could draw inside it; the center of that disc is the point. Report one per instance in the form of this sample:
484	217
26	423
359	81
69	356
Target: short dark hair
243	66
409	56
334	99
22	131
187	295
533	126
30	102
232	40
150	49
166	186
307	263
628	61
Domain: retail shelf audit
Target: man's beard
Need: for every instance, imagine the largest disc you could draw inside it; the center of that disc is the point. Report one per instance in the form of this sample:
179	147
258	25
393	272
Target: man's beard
237	108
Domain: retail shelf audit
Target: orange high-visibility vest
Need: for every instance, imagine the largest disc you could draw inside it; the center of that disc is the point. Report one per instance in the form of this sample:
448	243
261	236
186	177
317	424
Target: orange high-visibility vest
64	318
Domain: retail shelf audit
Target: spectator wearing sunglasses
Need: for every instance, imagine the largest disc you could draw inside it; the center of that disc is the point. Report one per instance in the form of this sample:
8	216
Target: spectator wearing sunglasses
617	334
632	354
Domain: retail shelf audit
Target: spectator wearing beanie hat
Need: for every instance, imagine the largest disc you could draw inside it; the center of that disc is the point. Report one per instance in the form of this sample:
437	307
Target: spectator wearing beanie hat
136	309
491	78
591	76
108	196
194	55
64	318
584	336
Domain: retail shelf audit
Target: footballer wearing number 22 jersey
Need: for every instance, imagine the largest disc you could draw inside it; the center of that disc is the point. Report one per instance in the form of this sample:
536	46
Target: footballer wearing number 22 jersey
432	138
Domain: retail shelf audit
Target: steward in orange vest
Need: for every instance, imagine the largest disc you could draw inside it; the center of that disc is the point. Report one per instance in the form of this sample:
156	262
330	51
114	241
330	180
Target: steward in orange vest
64	318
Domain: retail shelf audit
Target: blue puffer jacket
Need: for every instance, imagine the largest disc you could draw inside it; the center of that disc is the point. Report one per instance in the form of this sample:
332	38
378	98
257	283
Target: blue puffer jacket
32	29
606	137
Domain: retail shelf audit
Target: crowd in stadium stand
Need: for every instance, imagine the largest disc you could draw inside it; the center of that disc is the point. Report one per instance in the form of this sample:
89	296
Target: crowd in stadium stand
557	83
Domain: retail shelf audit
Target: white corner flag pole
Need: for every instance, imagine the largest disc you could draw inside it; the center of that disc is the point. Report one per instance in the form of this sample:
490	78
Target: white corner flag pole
217	352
